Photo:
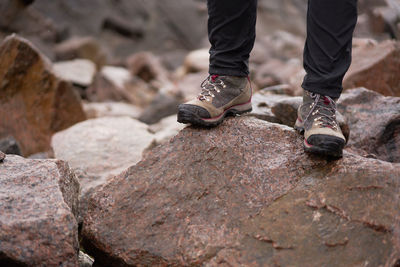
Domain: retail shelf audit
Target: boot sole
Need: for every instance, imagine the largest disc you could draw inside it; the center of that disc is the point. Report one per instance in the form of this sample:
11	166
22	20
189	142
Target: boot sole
332	147
187	116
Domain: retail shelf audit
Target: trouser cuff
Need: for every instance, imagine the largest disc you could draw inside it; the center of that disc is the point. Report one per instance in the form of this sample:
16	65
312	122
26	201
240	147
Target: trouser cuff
228	72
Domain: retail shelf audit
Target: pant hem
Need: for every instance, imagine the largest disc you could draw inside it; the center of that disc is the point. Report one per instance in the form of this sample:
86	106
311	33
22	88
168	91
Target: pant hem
228	72
320	89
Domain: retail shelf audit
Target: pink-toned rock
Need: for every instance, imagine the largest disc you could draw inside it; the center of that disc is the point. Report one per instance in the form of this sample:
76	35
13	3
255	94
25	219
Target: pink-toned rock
374	121
376	67
245	194
38	205
34	103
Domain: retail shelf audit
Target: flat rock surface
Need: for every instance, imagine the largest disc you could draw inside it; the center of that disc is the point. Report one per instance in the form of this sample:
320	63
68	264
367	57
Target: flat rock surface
33	102
38	205
205	198
374	122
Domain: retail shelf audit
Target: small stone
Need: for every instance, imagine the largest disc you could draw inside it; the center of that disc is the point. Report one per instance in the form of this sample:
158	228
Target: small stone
10	146
163	105
78	71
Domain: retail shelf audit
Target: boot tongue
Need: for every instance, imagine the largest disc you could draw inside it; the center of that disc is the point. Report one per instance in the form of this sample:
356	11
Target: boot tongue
326	101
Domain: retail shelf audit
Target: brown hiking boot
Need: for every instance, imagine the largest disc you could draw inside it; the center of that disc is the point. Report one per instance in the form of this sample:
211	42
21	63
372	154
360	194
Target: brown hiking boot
317	119
221	96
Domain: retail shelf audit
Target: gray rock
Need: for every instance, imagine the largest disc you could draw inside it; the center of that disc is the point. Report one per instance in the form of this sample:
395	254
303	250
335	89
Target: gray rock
162	106
374	122
10	146
100	148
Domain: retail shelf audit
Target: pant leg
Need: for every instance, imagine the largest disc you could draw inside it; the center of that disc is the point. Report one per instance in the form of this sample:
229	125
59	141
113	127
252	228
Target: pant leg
327	52
231	31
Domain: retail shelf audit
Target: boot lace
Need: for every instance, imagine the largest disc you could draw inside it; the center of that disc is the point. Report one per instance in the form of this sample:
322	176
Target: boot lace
211	86
325	108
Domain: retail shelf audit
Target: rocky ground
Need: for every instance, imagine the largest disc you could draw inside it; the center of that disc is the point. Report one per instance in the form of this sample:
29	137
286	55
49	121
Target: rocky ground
95	170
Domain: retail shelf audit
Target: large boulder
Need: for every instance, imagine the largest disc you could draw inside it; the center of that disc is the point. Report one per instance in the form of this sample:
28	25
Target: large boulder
38	209
213	197
101	148
376	67
34	103
374	121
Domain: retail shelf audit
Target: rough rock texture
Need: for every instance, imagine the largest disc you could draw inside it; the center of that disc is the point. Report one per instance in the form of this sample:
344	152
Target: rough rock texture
99	148
374	121
214	197
2	156
33	102
376	67
38	205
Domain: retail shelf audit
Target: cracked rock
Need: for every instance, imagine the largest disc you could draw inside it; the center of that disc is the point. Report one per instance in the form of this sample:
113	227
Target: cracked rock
237	194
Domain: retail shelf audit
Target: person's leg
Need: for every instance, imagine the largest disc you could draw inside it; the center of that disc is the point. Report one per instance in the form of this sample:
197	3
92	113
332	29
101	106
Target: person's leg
231	31
327	52
227	90
327	57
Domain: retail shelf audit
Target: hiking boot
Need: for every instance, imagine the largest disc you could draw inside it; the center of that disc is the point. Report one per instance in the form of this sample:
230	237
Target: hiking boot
220	96
317	119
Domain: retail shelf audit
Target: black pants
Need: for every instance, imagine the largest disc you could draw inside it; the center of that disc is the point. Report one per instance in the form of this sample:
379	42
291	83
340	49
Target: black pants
327	52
